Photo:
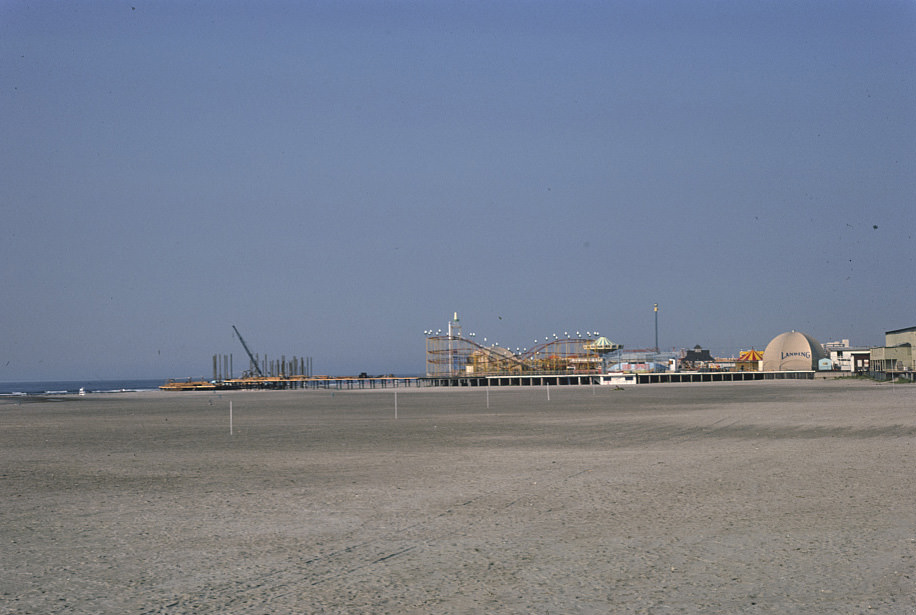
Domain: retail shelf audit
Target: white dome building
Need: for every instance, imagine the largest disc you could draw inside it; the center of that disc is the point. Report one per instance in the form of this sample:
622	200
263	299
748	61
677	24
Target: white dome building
792	352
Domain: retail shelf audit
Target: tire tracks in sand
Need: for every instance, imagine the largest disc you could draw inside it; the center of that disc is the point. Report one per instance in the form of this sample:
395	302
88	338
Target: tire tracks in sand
293	579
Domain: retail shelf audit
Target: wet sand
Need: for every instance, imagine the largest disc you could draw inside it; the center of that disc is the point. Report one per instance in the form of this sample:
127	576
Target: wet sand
777	497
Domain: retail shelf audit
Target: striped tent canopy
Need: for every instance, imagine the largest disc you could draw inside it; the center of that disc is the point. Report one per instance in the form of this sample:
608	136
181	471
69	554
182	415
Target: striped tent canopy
602	345
750	355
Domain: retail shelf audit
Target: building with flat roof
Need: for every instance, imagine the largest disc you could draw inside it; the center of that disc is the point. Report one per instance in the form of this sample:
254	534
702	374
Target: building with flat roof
896	356
848	358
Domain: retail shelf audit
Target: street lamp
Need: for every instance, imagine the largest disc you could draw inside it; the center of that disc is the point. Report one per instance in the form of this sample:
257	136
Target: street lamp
656	328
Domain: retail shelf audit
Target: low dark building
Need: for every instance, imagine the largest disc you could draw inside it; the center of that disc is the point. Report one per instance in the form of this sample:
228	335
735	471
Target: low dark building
698	358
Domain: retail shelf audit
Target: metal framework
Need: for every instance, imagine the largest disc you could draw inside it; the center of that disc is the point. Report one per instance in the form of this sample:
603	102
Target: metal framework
453	355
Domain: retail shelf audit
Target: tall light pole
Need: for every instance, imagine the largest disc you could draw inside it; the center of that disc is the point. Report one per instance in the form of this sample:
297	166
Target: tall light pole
656	328
454	332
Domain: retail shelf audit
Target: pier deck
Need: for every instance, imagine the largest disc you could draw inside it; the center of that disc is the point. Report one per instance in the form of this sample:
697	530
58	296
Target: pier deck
384	382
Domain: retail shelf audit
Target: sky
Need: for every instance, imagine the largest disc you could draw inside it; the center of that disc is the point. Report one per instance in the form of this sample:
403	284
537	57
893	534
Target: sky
336	177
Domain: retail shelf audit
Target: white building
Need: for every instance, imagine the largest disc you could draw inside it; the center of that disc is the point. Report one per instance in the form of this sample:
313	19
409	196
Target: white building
847	358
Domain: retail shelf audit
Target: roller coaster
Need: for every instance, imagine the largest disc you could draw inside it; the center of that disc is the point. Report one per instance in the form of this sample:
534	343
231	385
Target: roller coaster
452	355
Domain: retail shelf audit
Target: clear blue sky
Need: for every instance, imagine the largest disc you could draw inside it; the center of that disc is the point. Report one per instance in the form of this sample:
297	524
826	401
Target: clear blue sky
335	177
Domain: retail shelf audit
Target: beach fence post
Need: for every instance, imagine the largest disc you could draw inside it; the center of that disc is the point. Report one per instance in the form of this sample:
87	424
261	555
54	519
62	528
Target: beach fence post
548	391
395	404
230	417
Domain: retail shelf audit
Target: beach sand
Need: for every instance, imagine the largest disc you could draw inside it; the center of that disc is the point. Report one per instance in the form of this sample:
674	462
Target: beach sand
777	497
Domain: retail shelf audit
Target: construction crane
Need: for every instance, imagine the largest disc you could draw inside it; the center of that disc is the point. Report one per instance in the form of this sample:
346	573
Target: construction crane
250	356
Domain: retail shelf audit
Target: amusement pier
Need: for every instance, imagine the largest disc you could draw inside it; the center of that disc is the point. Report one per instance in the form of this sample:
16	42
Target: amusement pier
456	360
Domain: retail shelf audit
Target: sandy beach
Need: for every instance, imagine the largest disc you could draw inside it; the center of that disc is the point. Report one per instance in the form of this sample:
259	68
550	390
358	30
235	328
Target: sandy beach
777	497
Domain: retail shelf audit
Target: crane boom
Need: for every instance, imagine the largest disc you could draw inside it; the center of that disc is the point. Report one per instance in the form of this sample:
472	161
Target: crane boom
250	356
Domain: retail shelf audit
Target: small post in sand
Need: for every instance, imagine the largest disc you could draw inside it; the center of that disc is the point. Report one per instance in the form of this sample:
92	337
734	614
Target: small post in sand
230	417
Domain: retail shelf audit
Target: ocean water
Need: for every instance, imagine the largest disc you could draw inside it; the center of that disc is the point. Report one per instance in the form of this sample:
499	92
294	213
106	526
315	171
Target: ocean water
72	387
